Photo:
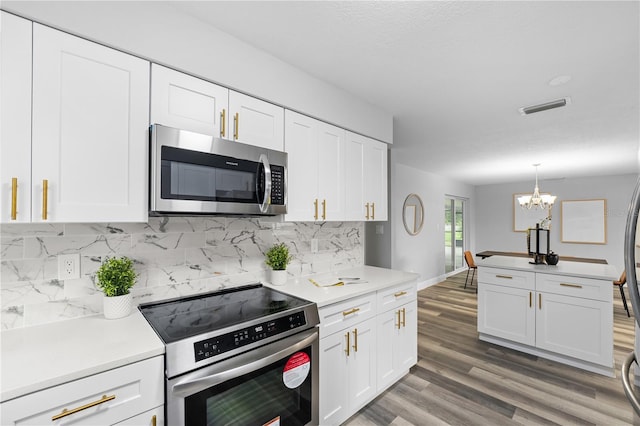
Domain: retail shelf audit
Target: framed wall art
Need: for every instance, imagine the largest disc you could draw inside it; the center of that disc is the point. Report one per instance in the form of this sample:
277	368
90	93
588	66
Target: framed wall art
584	221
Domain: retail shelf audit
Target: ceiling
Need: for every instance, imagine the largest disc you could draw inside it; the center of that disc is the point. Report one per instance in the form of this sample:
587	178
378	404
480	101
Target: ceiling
454	74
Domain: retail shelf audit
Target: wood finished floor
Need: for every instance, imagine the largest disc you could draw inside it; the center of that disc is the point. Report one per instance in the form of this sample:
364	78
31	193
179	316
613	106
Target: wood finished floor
460	380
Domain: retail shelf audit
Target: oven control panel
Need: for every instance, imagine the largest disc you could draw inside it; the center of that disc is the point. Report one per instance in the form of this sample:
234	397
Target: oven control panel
245	336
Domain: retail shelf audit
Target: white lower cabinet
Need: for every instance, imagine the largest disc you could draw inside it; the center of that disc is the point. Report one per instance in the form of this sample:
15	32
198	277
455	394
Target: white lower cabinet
397	343
576	327
565	318
507	312
131	394
154	417
348	381
366	344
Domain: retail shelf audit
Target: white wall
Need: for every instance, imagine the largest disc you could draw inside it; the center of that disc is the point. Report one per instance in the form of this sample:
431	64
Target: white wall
424	253
161	34
494	215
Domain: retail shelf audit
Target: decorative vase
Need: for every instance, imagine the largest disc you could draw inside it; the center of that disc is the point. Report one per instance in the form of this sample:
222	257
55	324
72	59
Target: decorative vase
117	306
278	277
552	258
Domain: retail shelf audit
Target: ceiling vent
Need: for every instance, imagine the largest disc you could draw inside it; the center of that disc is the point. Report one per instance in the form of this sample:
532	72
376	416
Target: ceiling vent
545	106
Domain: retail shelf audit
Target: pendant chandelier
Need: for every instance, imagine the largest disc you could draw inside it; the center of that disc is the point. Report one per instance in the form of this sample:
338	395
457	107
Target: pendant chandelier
536	200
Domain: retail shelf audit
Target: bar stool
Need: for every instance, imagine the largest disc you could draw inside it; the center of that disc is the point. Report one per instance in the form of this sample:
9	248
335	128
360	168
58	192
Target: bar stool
620	283
468	258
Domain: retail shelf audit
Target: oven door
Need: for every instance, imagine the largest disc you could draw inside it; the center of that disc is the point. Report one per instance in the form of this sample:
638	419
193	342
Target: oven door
275	384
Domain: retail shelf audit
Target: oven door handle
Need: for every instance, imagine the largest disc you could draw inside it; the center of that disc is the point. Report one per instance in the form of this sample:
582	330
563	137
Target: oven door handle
266	201
240	365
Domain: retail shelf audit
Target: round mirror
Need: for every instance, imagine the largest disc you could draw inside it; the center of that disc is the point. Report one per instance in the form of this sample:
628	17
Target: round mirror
413	214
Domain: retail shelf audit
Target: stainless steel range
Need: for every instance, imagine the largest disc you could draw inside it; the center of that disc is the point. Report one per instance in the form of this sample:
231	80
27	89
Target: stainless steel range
246	355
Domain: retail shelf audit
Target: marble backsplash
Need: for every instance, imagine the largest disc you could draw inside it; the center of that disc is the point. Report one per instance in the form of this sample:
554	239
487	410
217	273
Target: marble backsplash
173	257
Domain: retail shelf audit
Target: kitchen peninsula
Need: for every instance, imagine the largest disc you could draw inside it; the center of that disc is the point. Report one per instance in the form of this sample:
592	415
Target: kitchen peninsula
562	312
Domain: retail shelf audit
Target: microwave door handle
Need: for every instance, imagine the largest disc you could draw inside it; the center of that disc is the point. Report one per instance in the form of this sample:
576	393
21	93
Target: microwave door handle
264	206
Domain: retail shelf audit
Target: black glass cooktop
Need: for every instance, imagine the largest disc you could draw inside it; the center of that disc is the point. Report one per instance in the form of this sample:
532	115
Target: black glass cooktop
177	319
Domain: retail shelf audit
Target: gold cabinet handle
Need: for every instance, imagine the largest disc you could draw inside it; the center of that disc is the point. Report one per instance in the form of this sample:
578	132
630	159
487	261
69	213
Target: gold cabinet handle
530	297
348	344
14	198
66	412
366	216
350	311
404	317
324	209
45	197
154	420
373	211
398	324
236	125
223	123
400	293
355	340
539	300
315	207
507	277
570	285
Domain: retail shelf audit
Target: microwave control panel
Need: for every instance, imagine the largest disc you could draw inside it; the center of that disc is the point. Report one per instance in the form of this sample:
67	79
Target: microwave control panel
277	185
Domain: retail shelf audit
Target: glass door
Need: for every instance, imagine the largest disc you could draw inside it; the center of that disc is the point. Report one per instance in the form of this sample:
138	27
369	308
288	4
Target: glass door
453	234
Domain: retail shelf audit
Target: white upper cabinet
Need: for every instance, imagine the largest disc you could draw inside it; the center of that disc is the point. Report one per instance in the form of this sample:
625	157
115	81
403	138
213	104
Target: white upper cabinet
189	103
90	131
255	122
315	174
15	109
366	178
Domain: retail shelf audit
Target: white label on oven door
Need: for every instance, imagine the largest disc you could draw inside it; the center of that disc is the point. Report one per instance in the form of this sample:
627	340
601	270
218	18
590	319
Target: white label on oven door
296	370
274	422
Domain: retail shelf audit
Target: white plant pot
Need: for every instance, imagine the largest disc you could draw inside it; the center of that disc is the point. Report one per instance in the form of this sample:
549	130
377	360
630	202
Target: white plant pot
278	277
117	306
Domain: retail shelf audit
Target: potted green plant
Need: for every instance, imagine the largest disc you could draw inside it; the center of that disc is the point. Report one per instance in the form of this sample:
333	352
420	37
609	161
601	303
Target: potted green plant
115	277
278	258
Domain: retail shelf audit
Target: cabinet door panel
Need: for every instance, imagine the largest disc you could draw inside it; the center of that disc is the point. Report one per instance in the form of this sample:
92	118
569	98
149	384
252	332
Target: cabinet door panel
375	179
15	130
303	167
576	327
258	122
362	364
408	339
90	130
189	103
330	172
397	343
354	177
334	383
507	312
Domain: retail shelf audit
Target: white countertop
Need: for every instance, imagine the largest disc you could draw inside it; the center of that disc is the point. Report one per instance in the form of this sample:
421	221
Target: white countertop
376	279
35	358
576	269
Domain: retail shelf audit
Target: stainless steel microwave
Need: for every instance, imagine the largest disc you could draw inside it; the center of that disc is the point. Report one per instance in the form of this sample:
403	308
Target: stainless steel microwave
195	174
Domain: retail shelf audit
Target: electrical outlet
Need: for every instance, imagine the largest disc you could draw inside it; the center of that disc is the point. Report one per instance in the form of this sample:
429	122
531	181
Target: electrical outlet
68	266
314	245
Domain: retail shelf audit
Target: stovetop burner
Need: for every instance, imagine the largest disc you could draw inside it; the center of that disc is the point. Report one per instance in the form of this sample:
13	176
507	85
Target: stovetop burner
178	319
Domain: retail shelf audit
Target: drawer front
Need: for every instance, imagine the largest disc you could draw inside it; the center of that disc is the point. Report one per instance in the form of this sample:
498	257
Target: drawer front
507	277
337	316
586	288
397	296
136	388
